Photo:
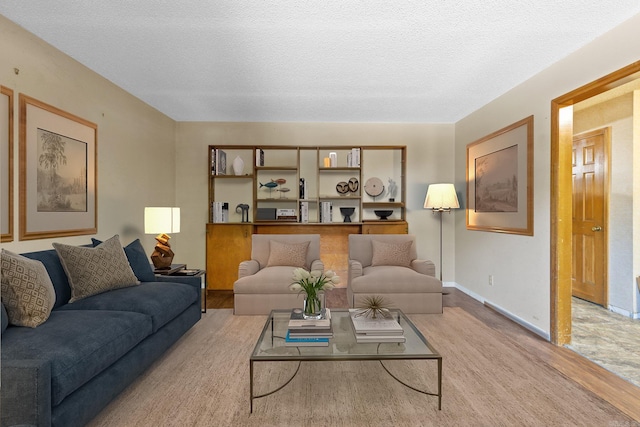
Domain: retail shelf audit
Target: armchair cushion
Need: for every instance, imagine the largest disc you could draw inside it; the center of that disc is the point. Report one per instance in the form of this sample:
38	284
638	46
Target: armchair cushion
392	253
287	254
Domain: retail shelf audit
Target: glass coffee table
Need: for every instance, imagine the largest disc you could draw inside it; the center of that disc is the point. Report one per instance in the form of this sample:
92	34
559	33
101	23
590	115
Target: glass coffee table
342	347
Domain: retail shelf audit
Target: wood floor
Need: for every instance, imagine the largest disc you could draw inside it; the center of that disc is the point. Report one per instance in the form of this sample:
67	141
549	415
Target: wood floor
610	387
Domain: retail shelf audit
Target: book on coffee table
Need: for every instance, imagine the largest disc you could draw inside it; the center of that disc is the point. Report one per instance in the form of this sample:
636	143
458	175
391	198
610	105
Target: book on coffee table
379	326
306	342
298	322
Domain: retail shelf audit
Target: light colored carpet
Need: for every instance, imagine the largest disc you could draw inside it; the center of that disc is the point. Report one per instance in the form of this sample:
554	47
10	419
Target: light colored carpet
488	380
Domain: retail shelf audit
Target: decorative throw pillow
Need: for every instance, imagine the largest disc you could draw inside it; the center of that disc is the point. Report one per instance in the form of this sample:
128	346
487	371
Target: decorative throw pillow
289	254
95	270
391	253
140	263
27	291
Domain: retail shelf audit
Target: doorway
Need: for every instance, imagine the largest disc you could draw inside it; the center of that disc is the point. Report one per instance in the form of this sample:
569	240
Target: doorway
561	195
590	172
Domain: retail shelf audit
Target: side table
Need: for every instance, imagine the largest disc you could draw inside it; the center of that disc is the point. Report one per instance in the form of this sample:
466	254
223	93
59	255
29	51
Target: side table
180	274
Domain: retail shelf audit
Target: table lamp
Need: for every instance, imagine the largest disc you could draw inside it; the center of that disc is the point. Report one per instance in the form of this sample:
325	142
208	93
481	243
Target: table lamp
162	221
441	198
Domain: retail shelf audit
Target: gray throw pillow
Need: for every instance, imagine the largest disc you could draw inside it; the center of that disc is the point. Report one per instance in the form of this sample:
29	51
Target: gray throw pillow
26	289
95	270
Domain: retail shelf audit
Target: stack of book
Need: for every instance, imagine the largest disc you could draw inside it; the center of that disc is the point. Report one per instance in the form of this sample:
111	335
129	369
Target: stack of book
380	329
308	333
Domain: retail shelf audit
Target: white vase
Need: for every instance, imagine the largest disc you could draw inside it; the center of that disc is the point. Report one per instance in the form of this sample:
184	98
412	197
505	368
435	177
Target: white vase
238	165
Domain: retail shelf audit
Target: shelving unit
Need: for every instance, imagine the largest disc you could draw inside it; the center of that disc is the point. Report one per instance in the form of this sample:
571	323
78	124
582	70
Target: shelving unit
275	184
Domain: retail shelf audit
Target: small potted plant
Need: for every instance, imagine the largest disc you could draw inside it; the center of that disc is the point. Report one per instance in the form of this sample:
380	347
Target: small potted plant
312	284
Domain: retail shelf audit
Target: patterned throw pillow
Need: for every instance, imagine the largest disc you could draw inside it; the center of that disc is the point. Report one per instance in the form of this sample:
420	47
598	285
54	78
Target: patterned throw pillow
288	254
138	260
391	253
27	291
95	270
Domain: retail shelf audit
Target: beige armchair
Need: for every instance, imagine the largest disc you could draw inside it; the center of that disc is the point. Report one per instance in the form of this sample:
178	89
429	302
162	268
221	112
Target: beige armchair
263	282
386	265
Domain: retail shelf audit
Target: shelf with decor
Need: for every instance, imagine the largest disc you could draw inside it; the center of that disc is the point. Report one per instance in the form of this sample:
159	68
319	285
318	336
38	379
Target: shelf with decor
311	176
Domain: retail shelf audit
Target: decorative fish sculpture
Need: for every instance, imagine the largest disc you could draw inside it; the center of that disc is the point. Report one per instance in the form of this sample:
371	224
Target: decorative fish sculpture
284	190
269	185
280	181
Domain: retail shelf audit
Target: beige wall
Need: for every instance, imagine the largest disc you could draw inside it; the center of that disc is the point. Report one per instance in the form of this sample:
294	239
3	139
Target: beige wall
521	265
136	162
430	159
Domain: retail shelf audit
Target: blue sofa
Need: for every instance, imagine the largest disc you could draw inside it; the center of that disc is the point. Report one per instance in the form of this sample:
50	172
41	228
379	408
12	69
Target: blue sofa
65	371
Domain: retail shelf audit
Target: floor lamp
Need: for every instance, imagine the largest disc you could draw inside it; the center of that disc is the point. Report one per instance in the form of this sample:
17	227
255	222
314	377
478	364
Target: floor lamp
441	198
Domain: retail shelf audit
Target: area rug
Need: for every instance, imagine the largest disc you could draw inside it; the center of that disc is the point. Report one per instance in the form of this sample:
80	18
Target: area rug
487	381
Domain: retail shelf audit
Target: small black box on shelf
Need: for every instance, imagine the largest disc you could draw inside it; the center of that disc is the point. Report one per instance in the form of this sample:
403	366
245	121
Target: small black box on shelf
266	214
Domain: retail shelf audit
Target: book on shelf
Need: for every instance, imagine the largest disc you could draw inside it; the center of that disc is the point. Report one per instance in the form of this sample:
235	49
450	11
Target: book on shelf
305	342
326	212
303	189
259	157
375	327
219	212
304	212
353	158
296	321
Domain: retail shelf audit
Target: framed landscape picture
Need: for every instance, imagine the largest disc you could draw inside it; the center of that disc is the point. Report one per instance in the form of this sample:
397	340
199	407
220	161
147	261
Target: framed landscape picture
6	160
58	188
500	180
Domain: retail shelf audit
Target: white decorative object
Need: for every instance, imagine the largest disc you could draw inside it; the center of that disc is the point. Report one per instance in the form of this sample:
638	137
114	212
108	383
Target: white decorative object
238	165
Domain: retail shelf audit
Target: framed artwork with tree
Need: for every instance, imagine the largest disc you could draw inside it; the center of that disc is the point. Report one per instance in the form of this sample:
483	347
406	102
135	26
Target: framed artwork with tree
6	159
58	174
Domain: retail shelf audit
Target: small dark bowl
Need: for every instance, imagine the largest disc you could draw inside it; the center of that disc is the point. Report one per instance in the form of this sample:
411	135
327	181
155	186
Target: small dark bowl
383	214
347	211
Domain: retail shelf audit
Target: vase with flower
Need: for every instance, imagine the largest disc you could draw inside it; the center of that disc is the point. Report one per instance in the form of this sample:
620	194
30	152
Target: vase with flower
313	284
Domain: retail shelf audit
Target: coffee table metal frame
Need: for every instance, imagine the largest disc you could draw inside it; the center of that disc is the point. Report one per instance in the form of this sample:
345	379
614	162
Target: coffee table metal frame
273	333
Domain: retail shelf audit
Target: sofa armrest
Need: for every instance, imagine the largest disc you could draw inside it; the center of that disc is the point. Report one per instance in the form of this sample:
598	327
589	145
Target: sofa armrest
355	270
195	281
317	265
423	266
248	268
25	395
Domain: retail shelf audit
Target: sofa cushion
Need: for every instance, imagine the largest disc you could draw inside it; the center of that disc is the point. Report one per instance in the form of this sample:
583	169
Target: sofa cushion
385	279
161	301
137	258
78	344
5	318
272	280
58	277
95	270
287	254
27	291
391	253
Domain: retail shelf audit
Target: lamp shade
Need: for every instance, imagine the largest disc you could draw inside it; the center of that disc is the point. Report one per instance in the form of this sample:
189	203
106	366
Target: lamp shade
161	220
441	197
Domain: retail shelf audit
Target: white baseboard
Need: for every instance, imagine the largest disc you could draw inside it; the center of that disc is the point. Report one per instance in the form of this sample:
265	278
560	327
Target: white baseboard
506	314
624	312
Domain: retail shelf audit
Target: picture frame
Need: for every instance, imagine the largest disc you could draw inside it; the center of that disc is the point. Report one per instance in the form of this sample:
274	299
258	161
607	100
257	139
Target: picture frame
58	172
500	180
6	160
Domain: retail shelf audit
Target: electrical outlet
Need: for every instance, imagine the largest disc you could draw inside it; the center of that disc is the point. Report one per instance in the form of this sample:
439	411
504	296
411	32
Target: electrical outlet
491	280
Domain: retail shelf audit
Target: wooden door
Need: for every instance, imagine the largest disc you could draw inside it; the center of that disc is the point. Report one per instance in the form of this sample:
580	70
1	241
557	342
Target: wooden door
227	246
589	235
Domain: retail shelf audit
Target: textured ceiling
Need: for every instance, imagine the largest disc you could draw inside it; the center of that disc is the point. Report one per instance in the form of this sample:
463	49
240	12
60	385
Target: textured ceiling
309	60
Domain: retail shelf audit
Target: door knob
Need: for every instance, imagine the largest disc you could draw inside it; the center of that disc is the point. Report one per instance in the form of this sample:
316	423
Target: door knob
596	228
